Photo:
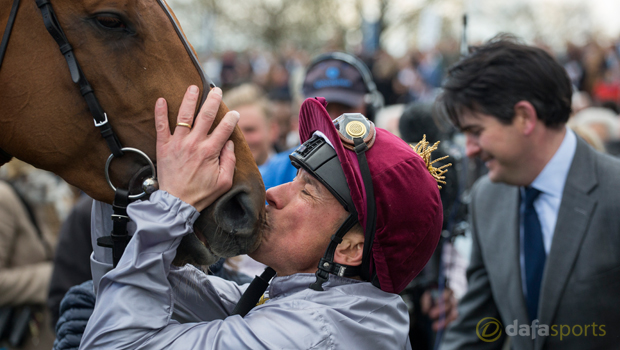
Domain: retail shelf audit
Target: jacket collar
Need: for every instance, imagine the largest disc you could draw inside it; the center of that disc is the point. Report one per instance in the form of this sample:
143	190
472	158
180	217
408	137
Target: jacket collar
286	285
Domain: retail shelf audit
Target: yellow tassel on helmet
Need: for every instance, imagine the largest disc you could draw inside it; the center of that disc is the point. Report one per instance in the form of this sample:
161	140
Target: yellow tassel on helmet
424	150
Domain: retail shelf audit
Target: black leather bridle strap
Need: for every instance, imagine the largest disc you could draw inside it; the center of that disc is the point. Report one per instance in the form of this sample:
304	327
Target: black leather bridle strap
99	117
206	81
7	31
119	238
327	265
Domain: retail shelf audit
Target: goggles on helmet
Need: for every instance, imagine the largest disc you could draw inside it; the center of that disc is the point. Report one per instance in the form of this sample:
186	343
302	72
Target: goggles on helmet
319	158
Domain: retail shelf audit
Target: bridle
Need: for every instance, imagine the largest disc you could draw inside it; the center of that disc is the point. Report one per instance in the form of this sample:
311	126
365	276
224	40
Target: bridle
119	238
5	157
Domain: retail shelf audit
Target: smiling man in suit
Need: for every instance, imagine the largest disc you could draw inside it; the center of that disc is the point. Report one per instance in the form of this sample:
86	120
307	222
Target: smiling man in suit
545	220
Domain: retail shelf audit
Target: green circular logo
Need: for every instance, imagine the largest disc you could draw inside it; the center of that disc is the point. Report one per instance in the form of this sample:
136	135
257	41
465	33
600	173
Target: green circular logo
489	329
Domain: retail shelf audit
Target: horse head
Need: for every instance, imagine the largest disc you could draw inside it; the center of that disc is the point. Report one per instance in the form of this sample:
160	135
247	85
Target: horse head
131	52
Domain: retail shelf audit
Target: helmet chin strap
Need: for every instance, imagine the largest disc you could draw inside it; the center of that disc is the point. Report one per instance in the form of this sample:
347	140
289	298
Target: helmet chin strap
257	288
327	264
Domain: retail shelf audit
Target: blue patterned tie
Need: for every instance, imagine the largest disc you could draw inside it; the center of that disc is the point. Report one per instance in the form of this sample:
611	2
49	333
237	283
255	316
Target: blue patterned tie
533	251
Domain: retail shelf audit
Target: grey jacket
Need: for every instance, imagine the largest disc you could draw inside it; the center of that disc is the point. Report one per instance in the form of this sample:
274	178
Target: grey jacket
137	300
581	282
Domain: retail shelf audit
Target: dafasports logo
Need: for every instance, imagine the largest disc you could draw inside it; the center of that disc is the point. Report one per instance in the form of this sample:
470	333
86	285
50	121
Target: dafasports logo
490	329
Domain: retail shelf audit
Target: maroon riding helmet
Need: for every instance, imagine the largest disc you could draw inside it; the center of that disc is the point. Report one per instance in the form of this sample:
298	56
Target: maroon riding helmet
383	184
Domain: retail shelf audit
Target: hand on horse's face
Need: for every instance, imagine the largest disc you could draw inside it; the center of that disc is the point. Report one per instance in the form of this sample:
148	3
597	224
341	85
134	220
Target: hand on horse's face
191	165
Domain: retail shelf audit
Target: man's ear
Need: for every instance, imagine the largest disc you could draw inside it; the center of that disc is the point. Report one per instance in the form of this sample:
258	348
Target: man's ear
350	250
526	116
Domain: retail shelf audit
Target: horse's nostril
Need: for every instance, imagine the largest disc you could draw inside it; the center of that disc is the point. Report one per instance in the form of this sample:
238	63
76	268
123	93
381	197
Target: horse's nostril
234	213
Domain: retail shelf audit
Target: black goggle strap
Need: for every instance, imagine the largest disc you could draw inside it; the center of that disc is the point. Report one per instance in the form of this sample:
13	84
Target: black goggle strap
371	211
255	290
99	117
327	264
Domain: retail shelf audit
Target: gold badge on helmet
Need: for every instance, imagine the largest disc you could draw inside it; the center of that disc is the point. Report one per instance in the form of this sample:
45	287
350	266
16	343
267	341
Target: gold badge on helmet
354	125
356	129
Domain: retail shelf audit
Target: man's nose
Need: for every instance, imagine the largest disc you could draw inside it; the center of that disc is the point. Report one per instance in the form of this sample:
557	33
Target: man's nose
472	148
274	196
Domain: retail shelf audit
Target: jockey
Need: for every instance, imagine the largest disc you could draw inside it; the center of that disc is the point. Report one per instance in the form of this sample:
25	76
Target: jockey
364	208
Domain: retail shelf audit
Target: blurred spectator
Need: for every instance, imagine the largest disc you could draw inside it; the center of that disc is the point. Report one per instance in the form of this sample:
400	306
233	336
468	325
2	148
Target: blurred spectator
228	73
612	106
602	121
589	136
423	292
580	100
592	60
278	170
606	88
277	78
260	132
417	77
389	117
431	68
384	70
281	110
258	128
26	251
574	66
593	68
72	259
345	82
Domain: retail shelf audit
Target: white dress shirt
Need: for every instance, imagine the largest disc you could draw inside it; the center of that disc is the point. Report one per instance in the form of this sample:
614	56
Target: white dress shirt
550	182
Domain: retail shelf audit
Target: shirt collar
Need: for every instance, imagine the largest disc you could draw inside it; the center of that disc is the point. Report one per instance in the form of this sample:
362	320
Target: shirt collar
552	178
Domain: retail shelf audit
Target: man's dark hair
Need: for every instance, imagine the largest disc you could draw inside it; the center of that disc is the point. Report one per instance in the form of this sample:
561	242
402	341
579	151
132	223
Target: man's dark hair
502	72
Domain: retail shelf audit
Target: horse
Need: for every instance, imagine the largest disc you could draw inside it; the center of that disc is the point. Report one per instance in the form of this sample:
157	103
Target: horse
131	52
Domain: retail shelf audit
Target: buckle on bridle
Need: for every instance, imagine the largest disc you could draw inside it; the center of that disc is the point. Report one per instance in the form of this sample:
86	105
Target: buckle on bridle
104	122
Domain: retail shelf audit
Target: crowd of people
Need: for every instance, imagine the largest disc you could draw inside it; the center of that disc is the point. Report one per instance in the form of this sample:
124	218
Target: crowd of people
530	190
593	69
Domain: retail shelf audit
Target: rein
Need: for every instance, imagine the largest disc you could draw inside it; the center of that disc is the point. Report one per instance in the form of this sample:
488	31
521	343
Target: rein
7	30
5	157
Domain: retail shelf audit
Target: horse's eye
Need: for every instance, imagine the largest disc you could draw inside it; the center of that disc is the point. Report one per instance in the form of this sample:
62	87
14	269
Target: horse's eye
111	22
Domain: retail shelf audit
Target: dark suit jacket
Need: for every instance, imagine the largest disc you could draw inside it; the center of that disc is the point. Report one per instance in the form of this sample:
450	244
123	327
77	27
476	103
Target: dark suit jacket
581	282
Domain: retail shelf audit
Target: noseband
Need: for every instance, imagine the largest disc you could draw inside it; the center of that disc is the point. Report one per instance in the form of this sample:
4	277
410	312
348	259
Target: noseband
118	238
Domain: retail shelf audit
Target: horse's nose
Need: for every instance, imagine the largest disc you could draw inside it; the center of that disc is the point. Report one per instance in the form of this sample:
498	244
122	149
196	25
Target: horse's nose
235	212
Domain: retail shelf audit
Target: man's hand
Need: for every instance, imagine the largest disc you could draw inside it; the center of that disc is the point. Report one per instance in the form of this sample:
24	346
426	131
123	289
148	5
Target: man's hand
191	165
436	308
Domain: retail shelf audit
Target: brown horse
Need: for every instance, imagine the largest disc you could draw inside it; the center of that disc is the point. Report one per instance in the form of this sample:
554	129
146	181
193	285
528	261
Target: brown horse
131	52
